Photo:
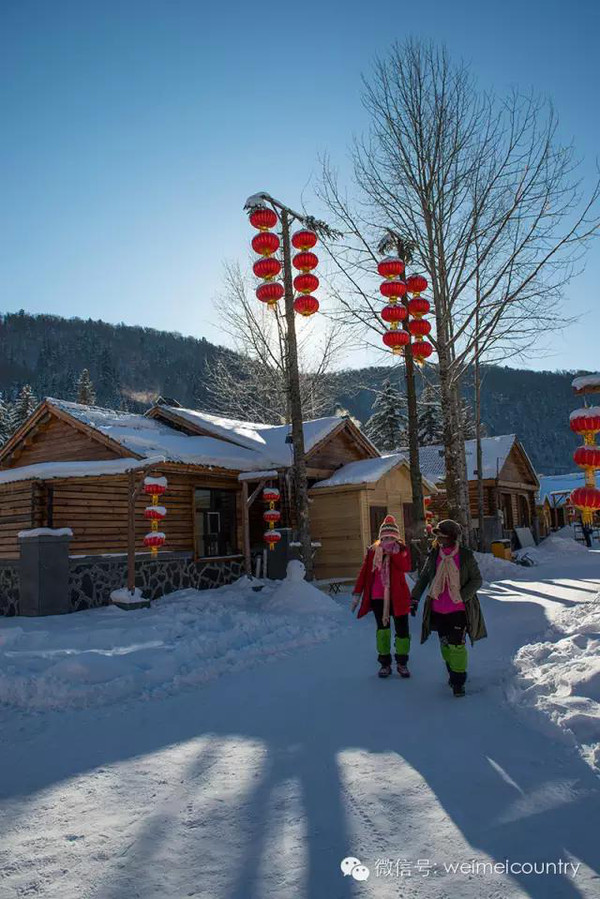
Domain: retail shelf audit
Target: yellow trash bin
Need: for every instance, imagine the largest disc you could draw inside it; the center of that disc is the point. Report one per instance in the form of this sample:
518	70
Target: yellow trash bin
501	549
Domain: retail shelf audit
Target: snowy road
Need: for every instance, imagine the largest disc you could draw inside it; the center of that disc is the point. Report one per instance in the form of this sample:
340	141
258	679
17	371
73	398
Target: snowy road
260	783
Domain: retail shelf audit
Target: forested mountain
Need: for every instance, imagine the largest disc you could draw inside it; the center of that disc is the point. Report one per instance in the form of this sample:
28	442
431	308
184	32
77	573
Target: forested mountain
131	366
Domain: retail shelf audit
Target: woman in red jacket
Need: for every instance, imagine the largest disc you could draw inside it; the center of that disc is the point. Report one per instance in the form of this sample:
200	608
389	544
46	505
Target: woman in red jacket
383	586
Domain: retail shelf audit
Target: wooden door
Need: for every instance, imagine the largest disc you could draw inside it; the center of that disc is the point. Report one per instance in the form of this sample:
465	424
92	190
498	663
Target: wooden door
376	515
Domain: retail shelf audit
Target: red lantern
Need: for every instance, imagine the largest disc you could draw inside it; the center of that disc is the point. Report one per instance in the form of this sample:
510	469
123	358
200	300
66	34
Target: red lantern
268	267
272	537
270	292
263	218
426	500
416	284
306	283
422	350
305	261
395	340
155	513
393	289
271	495
419	328
306	305
265	243
305	239
418	307
394	314
587	456
155	485
391	267
586	422
587	500
272	515
154	539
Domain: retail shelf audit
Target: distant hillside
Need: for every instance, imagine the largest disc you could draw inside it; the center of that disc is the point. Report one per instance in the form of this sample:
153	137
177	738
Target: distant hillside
130	366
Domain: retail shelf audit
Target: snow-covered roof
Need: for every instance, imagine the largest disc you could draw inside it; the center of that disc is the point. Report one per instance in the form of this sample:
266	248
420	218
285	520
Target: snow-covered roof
585	381
561	484
43	471
365	471
148	437
495	452
268	440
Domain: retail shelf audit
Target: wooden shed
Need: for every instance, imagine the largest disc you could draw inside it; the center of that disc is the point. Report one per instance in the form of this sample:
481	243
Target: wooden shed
510	484
347	510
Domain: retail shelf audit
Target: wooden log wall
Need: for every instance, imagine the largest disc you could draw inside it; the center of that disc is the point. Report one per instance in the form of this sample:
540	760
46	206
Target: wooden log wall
335	520
20	510
96	511
58	441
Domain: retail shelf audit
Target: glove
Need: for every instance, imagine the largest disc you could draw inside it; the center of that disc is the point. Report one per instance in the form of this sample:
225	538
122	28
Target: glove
355	602
414	605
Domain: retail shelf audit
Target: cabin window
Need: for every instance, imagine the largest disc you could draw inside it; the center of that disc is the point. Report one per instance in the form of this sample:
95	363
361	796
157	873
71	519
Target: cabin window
215	522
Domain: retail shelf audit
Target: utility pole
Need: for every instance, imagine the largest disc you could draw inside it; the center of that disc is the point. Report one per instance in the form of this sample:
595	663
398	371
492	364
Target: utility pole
287	216
417	525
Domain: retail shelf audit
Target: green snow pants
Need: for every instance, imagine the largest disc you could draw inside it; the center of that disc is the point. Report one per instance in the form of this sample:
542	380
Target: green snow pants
384	636
452	631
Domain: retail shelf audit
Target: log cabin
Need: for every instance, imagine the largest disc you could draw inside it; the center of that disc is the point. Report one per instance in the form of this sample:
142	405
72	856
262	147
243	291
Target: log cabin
510	485
80	467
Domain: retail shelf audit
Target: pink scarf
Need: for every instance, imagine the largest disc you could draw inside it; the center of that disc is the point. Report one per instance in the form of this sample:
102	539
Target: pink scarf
381	562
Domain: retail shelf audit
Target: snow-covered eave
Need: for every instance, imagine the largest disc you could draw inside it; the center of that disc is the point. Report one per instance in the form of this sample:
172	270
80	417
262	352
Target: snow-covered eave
257	475
586	383
44	471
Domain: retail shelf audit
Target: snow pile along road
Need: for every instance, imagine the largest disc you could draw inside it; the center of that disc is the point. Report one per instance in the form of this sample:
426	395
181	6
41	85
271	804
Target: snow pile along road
561	678
109	655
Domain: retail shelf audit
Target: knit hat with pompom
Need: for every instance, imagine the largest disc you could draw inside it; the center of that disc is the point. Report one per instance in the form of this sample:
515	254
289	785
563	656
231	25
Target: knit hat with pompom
389	528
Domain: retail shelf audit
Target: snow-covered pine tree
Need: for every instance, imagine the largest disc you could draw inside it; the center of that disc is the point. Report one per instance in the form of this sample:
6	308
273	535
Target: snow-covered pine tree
468	422
387	425
23	406
431	420
85	389
5	421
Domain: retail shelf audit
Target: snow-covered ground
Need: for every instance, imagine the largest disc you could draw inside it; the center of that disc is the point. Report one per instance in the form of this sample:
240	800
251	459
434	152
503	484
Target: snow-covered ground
161	758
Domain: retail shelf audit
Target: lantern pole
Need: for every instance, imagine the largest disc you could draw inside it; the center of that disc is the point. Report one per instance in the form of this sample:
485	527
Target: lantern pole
287	215
295	400
417	524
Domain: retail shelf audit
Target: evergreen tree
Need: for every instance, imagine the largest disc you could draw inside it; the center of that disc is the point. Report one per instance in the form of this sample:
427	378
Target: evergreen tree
5	421
85	389
109	389
469	425
431	421
387	425
23	406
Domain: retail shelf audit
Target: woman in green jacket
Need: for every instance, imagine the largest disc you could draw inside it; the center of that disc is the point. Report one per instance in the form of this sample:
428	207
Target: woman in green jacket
452	578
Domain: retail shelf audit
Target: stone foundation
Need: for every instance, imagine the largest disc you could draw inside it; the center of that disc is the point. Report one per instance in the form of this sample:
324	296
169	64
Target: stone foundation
10	581
93	578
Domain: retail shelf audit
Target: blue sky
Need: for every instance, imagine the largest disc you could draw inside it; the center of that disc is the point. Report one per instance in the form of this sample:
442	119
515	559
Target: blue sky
133	132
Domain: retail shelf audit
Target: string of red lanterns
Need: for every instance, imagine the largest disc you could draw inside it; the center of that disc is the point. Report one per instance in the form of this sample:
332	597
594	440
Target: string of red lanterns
154	539
396	313
272	516
586	423
268	267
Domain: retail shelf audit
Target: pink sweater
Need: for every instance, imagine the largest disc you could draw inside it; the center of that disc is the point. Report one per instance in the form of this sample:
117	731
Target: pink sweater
443	604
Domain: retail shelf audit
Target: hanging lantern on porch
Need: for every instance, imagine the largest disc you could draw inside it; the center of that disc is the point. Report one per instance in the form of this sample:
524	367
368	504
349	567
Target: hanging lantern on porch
154	539
272	516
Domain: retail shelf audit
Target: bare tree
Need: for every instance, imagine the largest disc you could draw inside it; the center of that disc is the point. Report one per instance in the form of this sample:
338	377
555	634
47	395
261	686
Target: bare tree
491	202
253	383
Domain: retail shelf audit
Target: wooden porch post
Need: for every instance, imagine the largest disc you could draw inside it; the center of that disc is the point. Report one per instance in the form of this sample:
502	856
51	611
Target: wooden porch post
246	528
